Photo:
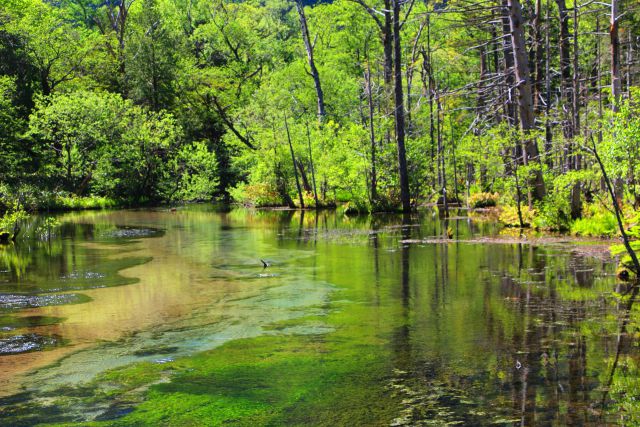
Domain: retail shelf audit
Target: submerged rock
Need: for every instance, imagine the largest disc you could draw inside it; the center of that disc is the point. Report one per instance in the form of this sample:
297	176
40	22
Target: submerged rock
18	301
126	232
150	351
25	343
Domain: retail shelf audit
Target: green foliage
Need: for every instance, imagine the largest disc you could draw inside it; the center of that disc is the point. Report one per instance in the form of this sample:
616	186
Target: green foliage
55	45
196	170
12	153
356	206
597	221
164	102
135	166
67	201
552	216
101	143
259	195
154	50
620	149
74	129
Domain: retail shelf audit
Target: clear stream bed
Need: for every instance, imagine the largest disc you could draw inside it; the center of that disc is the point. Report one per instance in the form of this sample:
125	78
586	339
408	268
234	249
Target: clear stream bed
151	317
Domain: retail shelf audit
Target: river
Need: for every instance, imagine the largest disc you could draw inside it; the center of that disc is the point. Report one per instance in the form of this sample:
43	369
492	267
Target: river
169	317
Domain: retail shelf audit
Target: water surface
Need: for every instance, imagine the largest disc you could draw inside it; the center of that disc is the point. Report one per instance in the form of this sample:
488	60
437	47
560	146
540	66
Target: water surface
379	320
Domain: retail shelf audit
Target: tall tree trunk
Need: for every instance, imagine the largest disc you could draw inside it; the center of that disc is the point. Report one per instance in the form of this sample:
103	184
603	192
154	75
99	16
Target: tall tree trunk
386	35
409	72
565	69
293	162
576	75
480	111
616	82
538	57
428	82
548	135
629	63
441	156
453	159
372	134
507	46
525	101
312	65
599	81
313	168
123	12
576	201
399	110
306	186
387	43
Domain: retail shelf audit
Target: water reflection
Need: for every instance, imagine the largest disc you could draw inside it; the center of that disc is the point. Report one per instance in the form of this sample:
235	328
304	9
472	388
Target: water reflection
467	332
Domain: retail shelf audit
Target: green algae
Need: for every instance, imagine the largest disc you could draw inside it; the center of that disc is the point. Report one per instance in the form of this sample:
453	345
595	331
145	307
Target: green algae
14	322
262	381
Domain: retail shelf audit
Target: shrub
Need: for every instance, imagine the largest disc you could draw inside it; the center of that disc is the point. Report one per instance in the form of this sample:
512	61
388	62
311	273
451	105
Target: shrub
602	224
598	220
552	215
483	200
259	195
356	206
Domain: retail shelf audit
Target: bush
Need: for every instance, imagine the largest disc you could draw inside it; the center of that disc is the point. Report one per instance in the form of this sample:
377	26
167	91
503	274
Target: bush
62	201
552	215
602	223
259	195
603	226
483	200
356	206
509	216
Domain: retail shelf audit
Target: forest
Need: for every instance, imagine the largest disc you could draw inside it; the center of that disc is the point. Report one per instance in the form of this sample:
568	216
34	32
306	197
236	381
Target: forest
364	104
319	212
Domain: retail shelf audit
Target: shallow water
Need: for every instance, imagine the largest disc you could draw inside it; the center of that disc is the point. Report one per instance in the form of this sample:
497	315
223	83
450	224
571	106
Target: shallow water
380	309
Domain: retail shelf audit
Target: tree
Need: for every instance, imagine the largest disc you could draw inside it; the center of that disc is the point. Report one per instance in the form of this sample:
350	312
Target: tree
525	101
399	110
152	56
13	153
73	129
312	65
56	47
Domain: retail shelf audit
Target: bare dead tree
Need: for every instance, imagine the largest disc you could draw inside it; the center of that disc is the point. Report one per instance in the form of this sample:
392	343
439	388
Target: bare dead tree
525	101
616	81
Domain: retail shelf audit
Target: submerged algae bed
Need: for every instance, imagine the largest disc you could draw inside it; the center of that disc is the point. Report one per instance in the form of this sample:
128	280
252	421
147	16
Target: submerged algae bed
361	321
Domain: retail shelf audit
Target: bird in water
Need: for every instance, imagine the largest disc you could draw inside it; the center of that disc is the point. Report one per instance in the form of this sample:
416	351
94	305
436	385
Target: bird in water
265	264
